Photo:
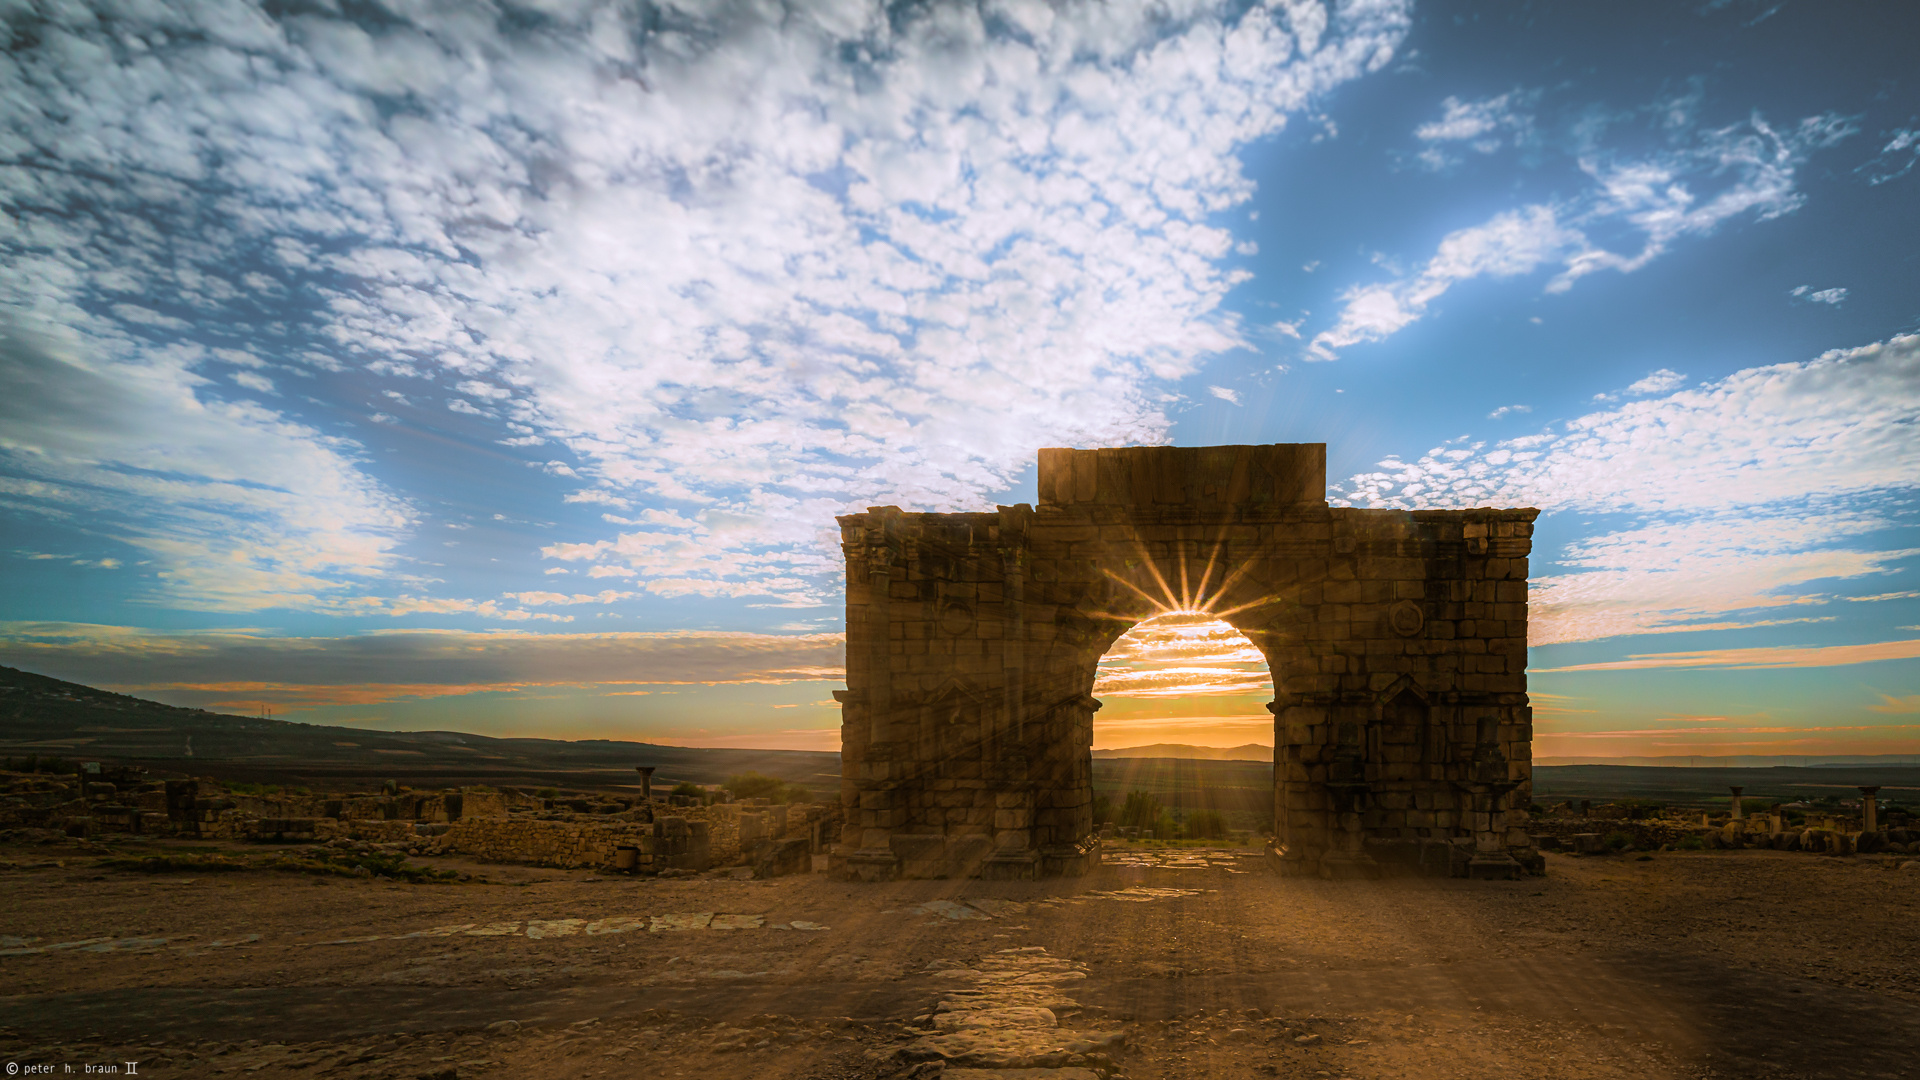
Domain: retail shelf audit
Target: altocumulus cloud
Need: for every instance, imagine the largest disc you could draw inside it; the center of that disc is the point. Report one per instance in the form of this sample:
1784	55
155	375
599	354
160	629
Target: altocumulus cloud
764	262
1752	485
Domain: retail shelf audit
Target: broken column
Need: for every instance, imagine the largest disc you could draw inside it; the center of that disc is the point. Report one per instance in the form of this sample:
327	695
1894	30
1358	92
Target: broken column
1869	809
646	781
1737	815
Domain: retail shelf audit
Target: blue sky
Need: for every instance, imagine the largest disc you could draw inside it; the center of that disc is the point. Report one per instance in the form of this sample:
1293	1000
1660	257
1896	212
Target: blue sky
502	368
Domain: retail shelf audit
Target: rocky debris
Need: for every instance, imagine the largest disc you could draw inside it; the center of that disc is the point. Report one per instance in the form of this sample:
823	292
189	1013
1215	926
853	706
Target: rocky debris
779	858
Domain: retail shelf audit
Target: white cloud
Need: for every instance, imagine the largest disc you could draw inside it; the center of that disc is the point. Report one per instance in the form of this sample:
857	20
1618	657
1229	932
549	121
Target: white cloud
537	597
1508	410
1230	396
603	498
1657	382
1895	160
1484	126
1512	243
1657	198
1821	296
239	507
255	382
1750	489
774	261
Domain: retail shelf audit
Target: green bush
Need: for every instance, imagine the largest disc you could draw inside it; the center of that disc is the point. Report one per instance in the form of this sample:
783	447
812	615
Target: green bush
1691	843
690	790
1102	809
1206	825
1141	810
548	793
1166	827
1617	841
753	785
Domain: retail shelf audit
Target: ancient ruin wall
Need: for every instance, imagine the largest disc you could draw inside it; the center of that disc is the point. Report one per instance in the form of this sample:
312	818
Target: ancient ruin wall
1397	642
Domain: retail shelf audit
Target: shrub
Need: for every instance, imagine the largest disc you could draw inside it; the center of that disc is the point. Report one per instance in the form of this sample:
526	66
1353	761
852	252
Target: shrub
1617	841
1102	809
753	785
1691	843
1166	827
689	789
548	793
1206	825
1141	810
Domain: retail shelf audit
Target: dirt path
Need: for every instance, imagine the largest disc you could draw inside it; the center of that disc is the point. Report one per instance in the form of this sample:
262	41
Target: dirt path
1749	964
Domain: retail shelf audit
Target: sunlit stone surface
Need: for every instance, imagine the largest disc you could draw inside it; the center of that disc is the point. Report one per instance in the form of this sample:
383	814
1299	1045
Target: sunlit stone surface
1396	640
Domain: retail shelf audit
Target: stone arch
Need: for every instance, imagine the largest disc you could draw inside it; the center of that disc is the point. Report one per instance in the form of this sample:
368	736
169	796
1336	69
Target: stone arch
1371	622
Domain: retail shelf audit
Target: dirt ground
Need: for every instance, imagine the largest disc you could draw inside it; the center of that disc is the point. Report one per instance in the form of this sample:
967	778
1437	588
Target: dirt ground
1202	964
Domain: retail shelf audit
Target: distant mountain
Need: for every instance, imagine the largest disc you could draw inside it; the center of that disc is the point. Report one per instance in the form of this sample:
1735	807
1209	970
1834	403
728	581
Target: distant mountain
52	718
1247	752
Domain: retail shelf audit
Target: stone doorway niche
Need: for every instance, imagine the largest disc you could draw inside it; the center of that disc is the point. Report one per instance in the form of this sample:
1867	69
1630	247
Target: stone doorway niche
1396	641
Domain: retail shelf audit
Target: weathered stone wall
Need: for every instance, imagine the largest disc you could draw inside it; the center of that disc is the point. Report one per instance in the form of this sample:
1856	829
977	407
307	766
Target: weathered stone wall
543	843
1397	642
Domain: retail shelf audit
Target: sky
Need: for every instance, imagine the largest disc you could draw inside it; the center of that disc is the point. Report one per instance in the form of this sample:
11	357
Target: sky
501	367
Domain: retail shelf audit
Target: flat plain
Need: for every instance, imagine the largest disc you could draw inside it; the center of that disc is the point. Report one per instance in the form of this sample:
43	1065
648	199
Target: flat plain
1165	963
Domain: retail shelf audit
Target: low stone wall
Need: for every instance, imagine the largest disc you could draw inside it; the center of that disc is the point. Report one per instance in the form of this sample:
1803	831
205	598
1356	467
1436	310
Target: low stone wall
544	843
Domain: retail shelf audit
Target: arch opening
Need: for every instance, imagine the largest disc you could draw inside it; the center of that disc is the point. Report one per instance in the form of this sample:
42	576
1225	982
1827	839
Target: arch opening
1183	678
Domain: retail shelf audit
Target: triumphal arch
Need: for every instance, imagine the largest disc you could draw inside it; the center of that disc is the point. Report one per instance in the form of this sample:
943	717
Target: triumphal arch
1397	642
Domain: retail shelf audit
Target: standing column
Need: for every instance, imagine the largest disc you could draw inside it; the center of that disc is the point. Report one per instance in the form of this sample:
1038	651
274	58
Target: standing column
1869	809
879	642
1737	815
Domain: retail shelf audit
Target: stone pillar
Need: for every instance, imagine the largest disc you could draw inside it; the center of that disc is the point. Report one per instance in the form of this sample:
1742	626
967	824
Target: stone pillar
1345	855
1487	791
1737	815
1776	820
646	781
1869	809
880	642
